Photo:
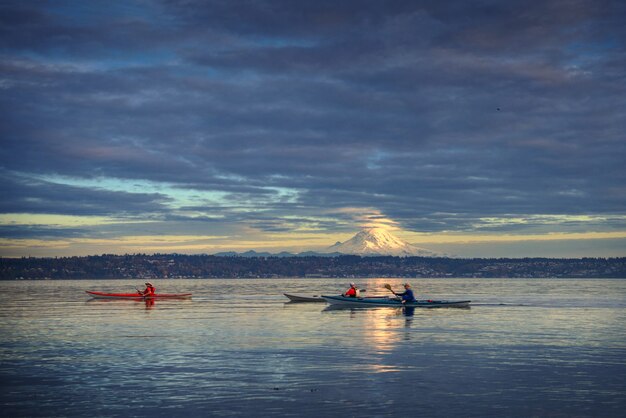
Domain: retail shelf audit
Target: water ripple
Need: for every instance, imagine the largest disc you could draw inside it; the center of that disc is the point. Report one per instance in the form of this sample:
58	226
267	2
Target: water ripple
525	348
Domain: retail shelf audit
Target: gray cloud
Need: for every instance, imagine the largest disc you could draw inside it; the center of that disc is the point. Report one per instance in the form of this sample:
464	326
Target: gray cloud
436	114
41	232
34	196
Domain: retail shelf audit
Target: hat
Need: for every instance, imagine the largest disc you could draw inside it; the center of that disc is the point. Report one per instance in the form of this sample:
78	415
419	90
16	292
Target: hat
148	284
352	284
407	284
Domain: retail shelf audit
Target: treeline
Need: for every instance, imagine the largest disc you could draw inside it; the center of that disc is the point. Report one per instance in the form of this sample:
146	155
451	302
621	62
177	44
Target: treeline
109	266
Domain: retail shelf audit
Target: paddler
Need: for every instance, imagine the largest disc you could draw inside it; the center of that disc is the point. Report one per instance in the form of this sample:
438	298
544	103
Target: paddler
149	291
353	292
407	295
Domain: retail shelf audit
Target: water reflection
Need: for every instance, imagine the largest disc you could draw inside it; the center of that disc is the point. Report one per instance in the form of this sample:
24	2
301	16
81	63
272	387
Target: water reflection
238	348
146	302
377	325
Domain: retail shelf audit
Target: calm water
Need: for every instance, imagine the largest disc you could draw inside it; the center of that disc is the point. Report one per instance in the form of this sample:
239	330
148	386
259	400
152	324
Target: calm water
526	348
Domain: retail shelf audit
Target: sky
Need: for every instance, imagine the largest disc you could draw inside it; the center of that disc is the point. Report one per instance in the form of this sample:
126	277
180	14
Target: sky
474	128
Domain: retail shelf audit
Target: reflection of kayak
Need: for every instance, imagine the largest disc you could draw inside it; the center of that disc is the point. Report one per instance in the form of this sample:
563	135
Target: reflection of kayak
362	302
296	298
104	295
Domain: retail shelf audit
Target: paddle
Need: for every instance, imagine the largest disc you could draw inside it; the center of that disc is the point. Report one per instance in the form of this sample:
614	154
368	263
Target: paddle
388	287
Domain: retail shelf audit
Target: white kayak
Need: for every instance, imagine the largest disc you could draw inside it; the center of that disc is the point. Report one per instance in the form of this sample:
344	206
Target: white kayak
298	298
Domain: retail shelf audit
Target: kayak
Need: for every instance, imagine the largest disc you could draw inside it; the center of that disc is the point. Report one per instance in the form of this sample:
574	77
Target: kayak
315	298
364	302
297	298
104	295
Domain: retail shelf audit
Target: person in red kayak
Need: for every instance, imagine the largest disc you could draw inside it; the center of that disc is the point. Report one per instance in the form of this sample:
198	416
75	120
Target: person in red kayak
149	291
353	292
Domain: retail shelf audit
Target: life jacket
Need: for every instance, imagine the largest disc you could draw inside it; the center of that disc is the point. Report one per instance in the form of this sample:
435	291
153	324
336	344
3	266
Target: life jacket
150	290
351	293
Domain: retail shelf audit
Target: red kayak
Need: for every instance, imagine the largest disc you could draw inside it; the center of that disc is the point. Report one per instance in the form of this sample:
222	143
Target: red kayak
104	295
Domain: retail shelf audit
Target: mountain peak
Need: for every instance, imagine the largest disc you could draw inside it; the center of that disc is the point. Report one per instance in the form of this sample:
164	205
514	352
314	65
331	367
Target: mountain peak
379	241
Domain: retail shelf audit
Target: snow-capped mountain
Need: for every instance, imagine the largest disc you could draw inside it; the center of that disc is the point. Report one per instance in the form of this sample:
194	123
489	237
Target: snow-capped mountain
379	241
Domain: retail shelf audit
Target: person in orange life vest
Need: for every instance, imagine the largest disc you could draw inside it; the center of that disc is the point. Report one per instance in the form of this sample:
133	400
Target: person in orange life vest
353	292
150	290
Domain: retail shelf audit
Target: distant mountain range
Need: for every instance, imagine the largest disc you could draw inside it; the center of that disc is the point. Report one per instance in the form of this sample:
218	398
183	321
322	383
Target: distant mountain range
199	266
282	254
368	242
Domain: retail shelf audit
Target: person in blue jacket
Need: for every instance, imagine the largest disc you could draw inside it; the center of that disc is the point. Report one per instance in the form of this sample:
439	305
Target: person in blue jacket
407	295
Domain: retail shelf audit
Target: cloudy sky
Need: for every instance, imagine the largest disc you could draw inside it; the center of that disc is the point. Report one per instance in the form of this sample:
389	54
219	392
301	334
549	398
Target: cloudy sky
478	128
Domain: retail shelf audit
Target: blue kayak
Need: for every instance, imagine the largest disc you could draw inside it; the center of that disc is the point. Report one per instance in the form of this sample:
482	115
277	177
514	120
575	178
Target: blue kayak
364	302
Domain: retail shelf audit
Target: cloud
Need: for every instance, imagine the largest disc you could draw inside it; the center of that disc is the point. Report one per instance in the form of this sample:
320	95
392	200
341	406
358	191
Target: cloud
34	196
269	113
